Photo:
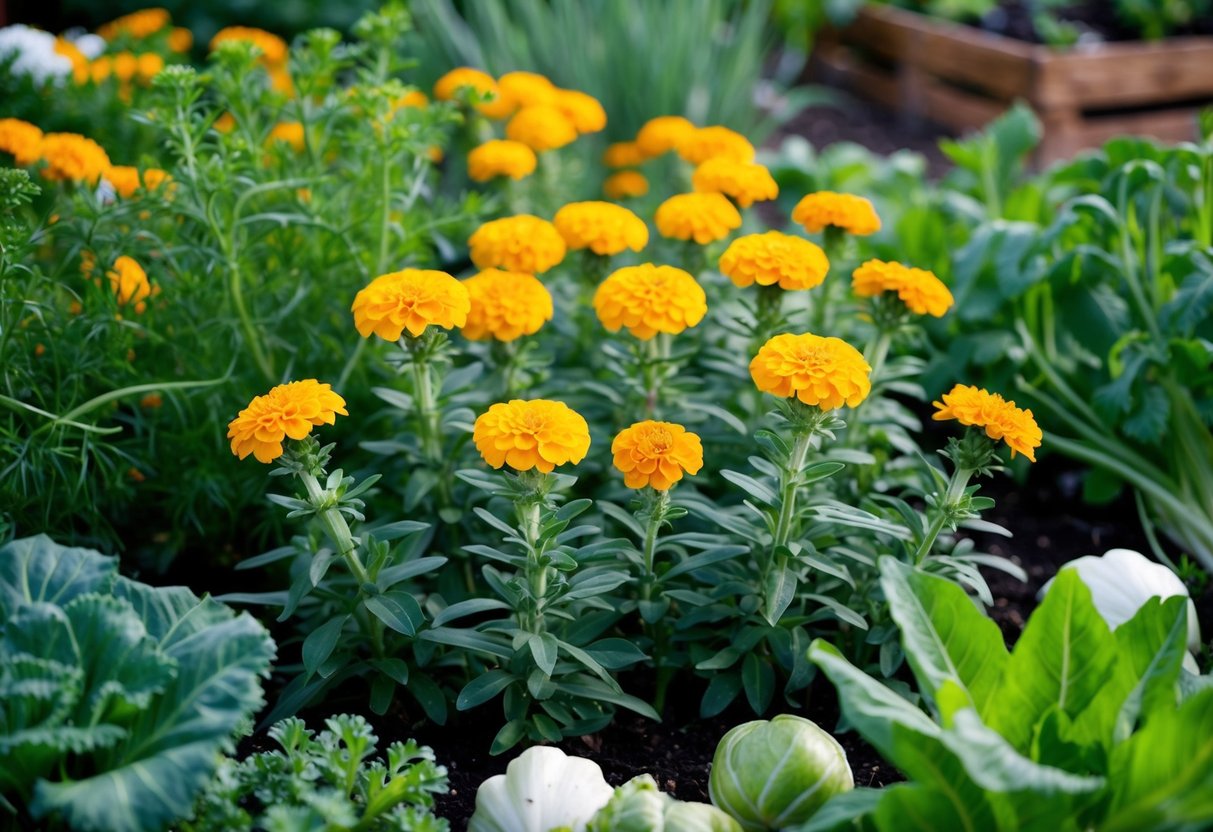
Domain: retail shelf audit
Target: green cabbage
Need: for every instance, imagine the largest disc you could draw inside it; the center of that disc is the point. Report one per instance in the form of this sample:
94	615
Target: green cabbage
638	806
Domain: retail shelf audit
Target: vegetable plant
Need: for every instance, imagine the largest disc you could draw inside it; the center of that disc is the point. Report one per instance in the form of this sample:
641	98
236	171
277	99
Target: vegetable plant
639	806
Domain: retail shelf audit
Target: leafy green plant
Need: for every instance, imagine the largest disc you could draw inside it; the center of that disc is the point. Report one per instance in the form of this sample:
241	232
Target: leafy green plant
1078	727
115	696
639	806
1156	19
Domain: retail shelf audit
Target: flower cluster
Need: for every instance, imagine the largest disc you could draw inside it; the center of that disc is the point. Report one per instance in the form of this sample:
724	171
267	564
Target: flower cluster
537	434
774	259
601	227
1000	418
649	299
822	372
498	157
289	411
448	86
521	243
662	134
541	128
73	158
138	25
21	140
624	184
127	180
410	300
825	209
744	182
703	218
623	155
715	142
505	305
273	52
921	291
656	454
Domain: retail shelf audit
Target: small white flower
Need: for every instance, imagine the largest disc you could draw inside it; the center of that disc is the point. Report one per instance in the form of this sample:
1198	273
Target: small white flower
35	53
542	789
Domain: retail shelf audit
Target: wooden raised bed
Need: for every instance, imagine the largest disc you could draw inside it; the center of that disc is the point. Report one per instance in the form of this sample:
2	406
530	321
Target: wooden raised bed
962	77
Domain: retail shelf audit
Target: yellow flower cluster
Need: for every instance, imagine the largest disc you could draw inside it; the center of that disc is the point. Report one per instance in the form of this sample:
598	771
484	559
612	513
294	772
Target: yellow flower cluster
521	243
703	218
622	155
583	110
180	39
920	290
527	89
648	299
624	184
656	454
449	85
288	133
601	227
774	259
73	158
505	305
663	134
141	24
498	157
287	411
715	142
537	434
129	283
822	209
744	182
127	179
21	140
410	300
273	49
1000	418
125	67
541	128
822	372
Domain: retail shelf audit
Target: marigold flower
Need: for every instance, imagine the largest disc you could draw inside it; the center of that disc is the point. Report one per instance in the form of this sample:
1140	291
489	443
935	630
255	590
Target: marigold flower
531	434
624	184
100	69
656	454
273	49
506	305
602	227
415	99
622	155
151	401
744	182
79	60
124	178
20	139
584	110
823	372
288	411
72	157
411	299
527	89
663	134
154	178
180	39
521	243
920	290
448	86
712	142
149	65
541	128
648	299
126	65
499	157
774	258
140	24
225	123
1000	418
129	283
289	132
703	218
853	214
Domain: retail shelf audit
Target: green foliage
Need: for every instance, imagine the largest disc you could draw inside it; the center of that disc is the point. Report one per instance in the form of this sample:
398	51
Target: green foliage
1156	19
114	696
639	806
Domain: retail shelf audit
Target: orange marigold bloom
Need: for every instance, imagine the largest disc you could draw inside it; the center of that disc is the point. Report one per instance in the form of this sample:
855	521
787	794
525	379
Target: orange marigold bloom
1000	418
584	110
853	214
527	89
411	300
648	299
149	65
920	290
521	243
663	134
140	24
72	157
413	98
506	305
703	218
124	178
290	132
602	227
20	139
656	454
225	123
154	178
273	49
622	155
125	66
129	283
624	184
69	50
498	157
448	86
745	182
531	434
541	128
712	142
774	259
823	372
180	39
151	401
100	69
288	411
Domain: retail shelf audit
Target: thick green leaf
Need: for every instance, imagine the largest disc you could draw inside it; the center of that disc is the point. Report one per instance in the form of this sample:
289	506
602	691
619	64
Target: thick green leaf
1153	643
780	592
397	609
483	688
38	569
320	642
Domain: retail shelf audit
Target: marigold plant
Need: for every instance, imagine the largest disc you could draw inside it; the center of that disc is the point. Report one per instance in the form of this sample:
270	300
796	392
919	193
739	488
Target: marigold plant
703	218
656	454
410	300
601	227
448	86
498	157
506	305
536	434
743	182
541	128
20	139
140	24
824	209
582	109
622	155
273	49
714	142
662	134
625	184
288	411
823	372
921	291
1000	418
73	158
527	89
774	259
649	299
129	283
522	243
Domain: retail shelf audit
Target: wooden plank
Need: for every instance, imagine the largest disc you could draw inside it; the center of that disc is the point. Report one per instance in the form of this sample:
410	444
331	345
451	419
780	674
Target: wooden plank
1126	75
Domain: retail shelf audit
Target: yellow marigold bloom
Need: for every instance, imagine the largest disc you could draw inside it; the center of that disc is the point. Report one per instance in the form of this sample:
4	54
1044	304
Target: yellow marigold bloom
69	50
446	88
713	142
140	24
744	182
1000	418
622	155
151	401
527	89
541	128
20	139
920	290
154	178
499	157
521	243
625	183
129	283
290	132
411	300
774	259
72	157
413	98
124	178
125	66
823	372
648	299
273	49
100	69
180	39
531	434
280	80
656	454
602	227
150	65
699	217
584	110
663	134
88	263
853	214
225	123
288	411
506	305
